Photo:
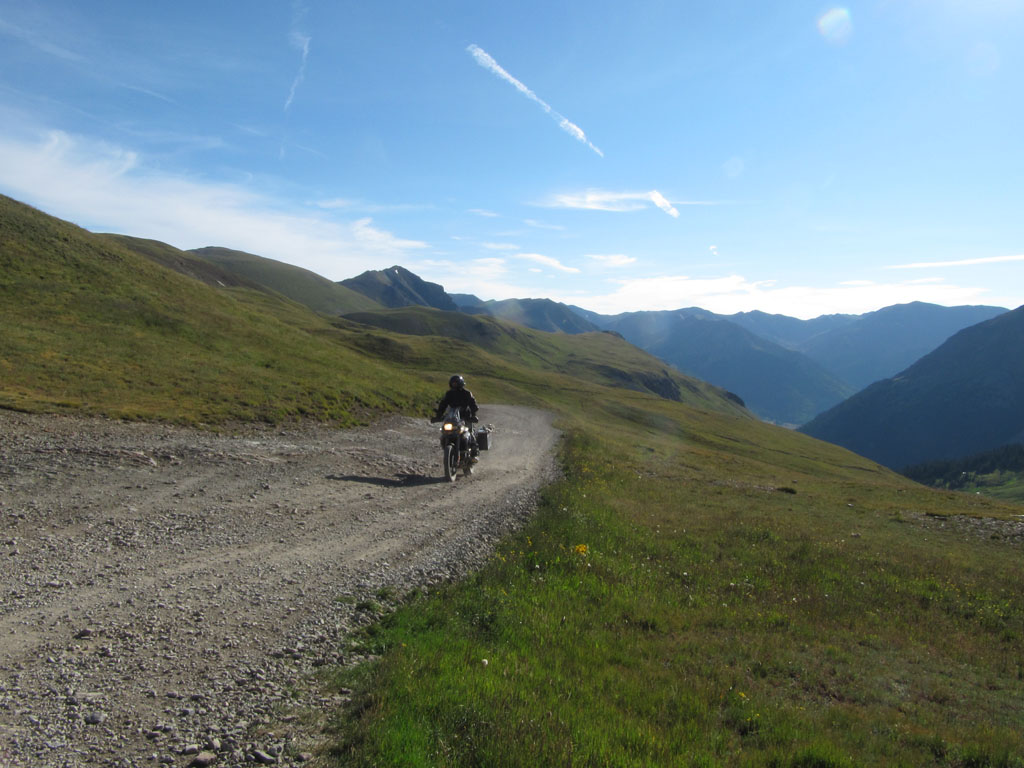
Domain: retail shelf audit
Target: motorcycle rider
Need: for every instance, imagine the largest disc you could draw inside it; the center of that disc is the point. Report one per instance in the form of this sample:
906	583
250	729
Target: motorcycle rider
459	397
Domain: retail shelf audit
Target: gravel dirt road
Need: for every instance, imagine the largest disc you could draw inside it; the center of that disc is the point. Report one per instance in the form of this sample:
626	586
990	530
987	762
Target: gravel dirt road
163	590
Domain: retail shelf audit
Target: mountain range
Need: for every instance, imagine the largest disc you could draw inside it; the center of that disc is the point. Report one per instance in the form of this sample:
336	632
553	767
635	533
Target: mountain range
785	369
963	398
942	382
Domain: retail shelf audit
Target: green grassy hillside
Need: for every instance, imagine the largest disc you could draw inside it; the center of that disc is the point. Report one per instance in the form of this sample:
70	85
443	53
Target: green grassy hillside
186	263
593	357
91	326
308	288
702	590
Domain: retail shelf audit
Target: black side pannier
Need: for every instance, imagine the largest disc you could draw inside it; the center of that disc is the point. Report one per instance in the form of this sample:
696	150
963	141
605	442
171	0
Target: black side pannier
483	439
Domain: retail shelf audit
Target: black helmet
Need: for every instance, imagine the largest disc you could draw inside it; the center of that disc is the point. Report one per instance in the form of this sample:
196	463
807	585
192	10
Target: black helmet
457	382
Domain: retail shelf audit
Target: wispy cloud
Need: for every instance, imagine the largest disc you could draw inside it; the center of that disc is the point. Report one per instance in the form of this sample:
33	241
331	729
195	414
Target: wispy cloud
111	188
149	92
617	202
499	246
487	278
300	41
958	263
547	261
486	61
615	260
486	214
345	203
659	200
542	225
38	42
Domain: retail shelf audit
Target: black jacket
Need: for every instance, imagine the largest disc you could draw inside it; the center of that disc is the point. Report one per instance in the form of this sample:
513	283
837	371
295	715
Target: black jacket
460	398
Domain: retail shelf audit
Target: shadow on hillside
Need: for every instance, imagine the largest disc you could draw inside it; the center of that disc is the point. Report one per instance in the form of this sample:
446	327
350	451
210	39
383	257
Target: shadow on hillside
403	480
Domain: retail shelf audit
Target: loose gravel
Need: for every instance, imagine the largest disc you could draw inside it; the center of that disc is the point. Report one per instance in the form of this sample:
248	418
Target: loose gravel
164	591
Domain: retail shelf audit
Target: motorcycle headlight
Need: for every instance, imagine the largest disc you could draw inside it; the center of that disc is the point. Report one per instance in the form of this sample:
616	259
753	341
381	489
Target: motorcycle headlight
448	426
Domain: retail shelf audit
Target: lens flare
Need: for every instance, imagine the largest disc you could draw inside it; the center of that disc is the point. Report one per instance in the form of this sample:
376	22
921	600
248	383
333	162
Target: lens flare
835	25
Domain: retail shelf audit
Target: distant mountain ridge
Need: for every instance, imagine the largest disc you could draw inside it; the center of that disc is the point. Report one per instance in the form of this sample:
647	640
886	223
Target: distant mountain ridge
878	344
776	383
539	314
398	287
788	370
963	398
784	369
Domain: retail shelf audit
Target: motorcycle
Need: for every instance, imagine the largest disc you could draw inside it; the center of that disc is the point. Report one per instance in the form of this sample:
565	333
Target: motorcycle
459	443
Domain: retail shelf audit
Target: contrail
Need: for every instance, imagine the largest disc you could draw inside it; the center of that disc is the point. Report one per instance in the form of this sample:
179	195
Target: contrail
302	43
486	61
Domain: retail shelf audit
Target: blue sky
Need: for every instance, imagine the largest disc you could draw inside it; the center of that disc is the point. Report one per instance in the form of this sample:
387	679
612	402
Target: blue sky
795	157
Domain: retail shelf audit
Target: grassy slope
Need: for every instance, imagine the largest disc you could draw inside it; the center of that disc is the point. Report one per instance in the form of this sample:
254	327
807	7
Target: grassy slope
308	288
703	590
91	326
186	263
593	357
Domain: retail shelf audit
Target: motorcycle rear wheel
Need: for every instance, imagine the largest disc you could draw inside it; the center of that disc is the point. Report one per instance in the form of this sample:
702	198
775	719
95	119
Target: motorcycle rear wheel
451	463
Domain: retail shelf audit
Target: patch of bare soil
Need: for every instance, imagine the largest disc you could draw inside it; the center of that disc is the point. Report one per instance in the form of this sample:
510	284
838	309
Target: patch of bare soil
162	589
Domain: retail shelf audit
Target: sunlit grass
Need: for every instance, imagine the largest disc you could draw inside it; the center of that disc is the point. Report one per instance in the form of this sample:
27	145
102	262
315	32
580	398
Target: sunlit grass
676	602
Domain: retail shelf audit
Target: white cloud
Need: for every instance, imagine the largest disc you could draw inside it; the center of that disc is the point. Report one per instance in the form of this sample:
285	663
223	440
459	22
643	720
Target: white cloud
486	277
105	187
612	259
335	202
659	200
541	225
486	61
958	263
615	202
499	246
547	261
485	213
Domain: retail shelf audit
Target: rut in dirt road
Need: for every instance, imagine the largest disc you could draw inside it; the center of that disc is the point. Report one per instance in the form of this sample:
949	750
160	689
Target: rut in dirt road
162	588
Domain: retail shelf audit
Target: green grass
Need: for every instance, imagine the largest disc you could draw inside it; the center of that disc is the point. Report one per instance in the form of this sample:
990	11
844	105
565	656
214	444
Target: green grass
303	286
706	591
91	326
1001	484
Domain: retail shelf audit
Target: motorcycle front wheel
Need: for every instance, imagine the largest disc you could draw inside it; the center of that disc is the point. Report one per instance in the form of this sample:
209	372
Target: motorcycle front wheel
451	462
